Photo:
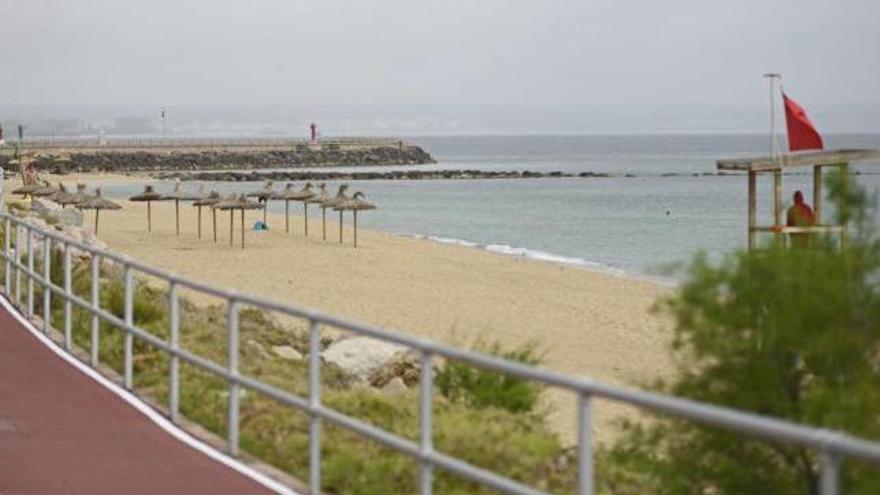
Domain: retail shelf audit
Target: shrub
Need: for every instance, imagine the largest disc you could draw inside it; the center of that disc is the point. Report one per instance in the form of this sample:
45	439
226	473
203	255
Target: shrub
482	388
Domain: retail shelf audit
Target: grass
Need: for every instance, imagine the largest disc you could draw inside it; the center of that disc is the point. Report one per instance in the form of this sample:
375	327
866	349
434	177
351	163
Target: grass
479	416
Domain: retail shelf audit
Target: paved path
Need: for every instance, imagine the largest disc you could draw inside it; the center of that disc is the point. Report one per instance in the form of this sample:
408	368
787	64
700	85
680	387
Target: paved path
61	432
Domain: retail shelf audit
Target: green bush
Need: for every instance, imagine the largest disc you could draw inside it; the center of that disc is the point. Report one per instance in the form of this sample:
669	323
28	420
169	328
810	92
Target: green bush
788	333
482	388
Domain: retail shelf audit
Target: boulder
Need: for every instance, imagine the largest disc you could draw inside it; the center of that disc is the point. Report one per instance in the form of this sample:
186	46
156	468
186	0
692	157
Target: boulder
395	386
369	360
287	352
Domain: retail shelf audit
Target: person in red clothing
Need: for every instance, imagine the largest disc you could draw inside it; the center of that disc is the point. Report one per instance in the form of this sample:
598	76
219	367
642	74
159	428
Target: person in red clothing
800	215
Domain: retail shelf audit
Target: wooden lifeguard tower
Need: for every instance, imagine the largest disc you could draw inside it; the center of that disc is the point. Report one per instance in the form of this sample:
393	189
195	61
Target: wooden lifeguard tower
767	165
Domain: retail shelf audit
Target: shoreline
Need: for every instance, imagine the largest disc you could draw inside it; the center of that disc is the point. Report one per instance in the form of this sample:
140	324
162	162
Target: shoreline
587	322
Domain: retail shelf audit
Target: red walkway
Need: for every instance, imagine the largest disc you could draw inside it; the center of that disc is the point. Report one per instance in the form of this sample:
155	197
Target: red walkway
61	432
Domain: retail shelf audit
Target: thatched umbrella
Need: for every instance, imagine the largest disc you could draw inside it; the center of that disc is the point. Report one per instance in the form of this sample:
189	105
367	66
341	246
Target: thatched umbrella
148	196
62	197
27	190
98	203
338	200
263	195
319	198
43	191
241	203
289	194
81	195
177	196
210	200
355	204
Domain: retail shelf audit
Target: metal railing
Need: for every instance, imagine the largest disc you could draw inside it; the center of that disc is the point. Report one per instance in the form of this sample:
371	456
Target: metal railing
833	447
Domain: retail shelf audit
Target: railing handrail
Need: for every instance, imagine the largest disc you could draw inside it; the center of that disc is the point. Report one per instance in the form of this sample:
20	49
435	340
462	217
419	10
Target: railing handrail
833	445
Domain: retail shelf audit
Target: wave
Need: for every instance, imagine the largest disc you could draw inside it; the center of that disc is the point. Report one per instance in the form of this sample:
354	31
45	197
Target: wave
533	254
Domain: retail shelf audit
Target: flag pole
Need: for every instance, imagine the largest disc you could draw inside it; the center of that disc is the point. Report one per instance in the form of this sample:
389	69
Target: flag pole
774	150
774	145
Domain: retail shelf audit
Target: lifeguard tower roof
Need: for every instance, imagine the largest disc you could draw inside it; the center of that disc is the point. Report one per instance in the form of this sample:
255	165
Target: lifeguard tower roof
789	160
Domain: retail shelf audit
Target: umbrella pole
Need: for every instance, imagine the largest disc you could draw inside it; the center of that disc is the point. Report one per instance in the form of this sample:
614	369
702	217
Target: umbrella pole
355	228
214	214
242	226
177	215
265	207
287	215
97	212
231	218
200	221
340	226
306	216
324	222
149	217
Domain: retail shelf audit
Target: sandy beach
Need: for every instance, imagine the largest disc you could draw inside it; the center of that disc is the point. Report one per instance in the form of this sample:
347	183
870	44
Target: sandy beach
587	323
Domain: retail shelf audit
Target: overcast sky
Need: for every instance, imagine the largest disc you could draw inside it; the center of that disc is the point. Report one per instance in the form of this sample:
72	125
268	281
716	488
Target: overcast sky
436	52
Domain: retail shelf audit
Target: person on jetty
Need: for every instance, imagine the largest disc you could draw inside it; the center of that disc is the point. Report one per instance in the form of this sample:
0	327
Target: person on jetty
800	215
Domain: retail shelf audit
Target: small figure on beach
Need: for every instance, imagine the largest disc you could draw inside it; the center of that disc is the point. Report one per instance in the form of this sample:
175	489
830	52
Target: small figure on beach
800	215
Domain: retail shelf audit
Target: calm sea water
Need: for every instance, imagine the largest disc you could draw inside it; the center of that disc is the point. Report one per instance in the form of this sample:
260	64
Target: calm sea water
636	225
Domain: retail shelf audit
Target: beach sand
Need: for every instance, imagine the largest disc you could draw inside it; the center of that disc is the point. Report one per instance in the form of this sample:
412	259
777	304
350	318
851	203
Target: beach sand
586	323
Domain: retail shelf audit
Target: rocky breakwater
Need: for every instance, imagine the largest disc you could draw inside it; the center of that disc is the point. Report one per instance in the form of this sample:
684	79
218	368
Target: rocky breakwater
292	175
152	160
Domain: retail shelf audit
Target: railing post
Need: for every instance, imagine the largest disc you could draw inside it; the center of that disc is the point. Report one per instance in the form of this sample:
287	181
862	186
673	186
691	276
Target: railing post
234	388
426	424
128	350
30	272
47	282
174	365
829	478
315	404
585	446
7	250
17	265
96	302
68	317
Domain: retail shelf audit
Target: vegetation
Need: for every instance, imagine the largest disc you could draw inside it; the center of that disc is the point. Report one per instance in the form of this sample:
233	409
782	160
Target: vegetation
471	421
788	333
481	388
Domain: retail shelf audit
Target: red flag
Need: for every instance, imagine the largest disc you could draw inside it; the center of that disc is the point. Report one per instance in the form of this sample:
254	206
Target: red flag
802	134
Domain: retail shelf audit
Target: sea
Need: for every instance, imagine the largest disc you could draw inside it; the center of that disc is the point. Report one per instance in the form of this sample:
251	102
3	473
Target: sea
661	205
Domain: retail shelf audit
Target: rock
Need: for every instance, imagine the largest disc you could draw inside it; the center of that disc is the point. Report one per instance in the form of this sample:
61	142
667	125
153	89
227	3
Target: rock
254	348
361	357
403	365
287	352
395	386
44	206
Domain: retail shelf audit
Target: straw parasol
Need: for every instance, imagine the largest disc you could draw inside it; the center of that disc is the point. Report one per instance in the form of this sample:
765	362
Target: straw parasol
148	196
210	200
306	194
336	201
355	204
27	190
318	199
289	194
177	196
263	195
240	203
62	197
98	203
44	190
81	195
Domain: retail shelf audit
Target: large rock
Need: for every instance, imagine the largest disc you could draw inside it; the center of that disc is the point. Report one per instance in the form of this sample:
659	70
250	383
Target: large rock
55	214
372	361
287	352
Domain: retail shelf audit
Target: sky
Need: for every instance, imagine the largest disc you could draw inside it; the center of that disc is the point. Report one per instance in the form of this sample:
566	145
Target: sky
440	54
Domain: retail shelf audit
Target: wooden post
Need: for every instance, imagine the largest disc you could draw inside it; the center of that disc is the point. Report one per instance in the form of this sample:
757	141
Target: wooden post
777	199
287	215
817	193
214	215
177	216
356	228
231	218
340	226
149	218
242	227
752	208
200	221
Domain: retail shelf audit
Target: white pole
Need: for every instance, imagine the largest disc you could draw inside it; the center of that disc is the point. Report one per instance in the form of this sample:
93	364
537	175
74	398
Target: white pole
774	146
